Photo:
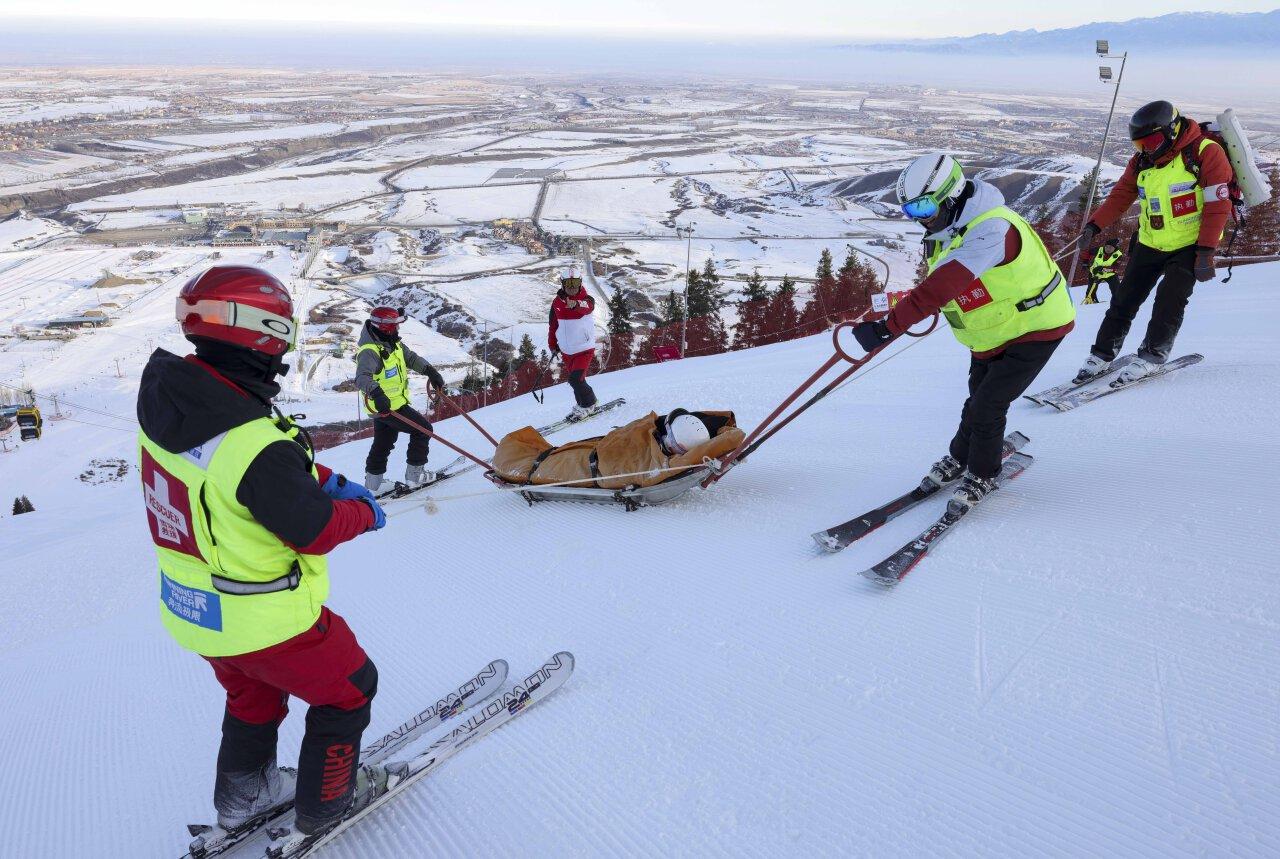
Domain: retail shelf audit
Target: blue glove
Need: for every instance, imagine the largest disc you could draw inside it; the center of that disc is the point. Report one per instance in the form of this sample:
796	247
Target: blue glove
379	518
339	488
872	335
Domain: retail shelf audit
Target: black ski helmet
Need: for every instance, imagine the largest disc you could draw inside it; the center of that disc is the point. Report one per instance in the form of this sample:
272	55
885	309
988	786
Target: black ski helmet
1156	117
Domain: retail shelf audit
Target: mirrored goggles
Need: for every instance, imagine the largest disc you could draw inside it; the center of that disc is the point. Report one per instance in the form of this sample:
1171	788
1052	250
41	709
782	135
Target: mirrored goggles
244	316
1150	142
921	208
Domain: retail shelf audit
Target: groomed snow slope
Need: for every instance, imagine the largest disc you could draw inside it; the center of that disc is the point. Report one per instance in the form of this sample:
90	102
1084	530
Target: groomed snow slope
1090	666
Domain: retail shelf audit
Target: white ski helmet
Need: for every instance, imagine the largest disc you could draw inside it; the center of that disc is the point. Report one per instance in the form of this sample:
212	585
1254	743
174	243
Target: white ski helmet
685	431
570	272
927	183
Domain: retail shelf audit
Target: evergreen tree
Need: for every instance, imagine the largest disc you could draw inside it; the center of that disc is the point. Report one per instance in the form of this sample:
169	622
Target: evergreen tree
619	313
527	351
673	308
851	264
1085	184
473	381
752	311
781	317
17	507
621	337
27	506
709	271
824	266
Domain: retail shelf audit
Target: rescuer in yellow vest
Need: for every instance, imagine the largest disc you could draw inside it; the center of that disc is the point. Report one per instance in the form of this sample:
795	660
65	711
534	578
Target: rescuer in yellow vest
242	517
1103	270
1181	180
383	363
1004	297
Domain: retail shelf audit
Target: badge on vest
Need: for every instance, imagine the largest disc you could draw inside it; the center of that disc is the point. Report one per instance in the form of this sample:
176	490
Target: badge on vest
391	372
193	605
1183	205
168	509
972	298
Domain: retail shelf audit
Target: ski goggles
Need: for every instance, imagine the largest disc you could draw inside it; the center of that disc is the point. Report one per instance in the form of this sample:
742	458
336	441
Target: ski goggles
244	316
921	208
1149	142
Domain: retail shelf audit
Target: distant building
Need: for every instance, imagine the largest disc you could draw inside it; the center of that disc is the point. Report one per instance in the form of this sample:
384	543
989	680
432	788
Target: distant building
291	237
195	215
239	235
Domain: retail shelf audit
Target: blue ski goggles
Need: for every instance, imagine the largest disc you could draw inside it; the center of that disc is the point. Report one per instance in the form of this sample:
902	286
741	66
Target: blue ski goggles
921	208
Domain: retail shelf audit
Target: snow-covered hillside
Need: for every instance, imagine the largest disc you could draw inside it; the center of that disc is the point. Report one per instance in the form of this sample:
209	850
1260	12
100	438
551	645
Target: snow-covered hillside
1089	666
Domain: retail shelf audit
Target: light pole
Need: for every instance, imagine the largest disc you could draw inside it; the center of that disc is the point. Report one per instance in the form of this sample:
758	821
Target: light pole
688	261
1103	48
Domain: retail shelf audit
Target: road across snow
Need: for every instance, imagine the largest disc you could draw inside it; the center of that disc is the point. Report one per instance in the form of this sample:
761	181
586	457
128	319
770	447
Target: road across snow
1089	666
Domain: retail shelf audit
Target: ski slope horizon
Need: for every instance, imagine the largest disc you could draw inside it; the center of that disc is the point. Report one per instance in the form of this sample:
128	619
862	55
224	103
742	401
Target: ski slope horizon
1090	665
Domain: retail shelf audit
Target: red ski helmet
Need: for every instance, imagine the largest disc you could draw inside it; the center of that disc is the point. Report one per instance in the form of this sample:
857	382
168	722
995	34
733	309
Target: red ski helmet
240	305
387	319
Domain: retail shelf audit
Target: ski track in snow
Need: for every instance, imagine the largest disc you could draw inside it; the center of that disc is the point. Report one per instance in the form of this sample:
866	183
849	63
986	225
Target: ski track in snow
1089	665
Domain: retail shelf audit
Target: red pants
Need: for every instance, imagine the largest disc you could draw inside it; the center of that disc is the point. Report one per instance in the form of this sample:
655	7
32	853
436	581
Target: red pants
324	666
579	361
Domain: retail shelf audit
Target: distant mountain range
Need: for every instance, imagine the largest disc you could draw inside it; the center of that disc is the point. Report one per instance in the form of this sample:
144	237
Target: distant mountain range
1204	31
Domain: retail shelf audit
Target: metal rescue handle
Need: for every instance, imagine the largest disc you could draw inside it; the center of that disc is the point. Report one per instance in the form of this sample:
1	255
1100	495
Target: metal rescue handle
764	431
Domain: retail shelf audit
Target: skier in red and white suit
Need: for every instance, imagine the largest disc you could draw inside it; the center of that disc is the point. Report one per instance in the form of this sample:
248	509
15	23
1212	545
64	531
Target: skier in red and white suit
571	334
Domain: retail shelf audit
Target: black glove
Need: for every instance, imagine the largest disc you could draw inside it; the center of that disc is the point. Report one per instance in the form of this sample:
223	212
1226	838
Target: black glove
381	401
1204	264
1087	235
872	335
437	381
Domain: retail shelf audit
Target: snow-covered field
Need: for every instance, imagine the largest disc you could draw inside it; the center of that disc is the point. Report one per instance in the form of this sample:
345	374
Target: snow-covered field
1089	666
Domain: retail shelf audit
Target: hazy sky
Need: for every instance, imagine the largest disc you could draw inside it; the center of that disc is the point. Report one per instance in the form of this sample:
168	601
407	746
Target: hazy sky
862	18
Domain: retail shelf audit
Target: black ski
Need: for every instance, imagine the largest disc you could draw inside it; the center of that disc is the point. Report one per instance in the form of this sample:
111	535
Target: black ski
1046	397
891	570
841	536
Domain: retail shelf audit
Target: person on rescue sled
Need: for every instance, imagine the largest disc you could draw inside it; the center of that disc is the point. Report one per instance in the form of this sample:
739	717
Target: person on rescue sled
993	279
1181	180
571	334
242	517
383	363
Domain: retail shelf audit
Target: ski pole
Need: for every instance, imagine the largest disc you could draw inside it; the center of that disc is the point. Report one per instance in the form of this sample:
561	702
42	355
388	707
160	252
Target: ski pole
538	391
420	428
470	419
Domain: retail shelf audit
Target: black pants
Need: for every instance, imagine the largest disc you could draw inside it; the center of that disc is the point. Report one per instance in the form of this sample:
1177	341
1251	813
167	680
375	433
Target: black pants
1091	293
994	383
1176	272
582	392
385	431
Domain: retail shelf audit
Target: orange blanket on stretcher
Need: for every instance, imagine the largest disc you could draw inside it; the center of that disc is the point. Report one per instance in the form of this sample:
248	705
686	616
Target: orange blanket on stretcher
525	457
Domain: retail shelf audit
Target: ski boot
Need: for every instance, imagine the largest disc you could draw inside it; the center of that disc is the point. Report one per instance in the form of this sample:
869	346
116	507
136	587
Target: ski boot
972	490
944	471
1138	369
1093	367
373	482
243	798
578	413
416	475
371	782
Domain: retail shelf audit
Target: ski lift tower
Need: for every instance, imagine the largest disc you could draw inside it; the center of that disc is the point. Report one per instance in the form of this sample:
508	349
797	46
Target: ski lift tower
1103	48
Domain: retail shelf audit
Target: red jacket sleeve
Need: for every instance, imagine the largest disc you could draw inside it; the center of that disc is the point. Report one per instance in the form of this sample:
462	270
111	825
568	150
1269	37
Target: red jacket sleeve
350	519
322	474
1122	196
552	321
947	281
1215	171
945	284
